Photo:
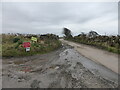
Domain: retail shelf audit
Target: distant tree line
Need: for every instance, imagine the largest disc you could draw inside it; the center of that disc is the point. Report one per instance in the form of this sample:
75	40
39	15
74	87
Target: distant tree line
40	36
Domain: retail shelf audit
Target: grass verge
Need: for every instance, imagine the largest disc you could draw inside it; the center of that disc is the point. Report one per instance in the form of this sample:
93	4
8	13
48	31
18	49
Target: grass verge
12	48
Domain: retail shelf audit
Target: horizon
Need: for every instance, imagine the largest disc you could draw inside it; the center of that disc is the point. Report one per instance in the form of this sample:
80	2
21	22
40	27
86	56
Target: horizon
61	35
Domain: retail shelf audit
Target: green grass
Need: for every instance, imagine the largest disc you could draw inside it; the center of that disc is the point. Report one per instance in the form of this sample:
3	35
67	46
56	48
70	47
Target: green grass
113	49
0	49
98	45
12	49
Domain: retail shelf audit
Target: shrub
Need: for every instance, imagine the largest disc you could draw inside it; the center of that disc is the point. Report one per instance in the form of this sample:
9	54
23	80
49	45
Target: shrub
16	40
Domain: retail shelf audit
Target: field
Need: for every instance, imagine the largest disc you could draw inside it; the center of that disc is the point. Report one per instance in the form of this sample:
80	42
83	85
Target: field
12	44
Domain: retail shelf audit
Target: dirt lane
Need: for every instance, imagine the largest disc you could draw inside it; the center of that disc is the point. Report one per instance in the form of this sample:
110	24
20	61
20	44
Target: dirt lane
105	58
63	68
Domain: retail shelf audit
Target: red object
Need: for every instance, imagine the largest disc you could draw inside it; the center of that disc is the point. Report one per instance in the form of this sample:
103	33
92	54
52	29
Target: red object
26	44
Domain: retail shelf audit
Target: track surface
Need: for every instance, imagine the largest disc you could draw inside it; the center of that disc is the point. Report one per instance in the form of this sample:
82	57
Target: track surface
109	60
63	68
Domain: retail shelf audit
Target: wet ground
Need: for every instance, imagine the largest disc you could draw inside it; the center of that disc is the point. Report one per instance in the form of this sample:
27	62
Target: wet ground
107	59
63	68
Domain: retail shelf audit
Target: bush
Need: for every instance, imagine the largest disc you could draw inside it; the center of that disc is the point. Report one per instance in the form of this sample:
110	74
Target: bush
109	43
16	40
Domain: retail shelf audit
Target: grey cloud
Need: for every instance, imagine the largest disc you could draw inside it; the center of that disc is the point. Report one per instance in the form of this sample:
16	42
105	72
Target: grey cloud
26	17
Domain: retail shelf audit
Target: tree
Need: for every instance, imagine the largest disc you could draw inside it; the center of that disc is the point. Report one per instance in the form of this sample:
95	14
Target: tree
67	33
92	34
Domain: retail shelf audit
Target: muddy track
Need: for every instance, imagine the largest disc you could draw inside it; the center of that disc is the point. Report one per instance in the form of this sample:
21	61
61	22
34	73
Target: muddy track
62	68
97	55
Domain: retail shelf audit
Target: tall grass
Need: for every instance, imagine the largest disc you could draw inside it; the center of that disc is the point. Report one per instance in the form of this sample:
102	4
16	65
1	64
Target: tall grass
15	49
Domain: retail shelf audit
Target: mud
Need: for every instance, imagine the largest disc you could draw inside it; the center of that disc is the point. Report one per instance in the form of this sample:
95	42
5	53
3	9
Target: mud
107	59
63	68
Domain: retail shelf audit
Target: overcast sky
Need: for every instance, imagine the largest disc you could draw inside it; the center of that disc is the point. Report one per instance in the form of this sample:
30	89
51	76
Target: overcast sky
51	17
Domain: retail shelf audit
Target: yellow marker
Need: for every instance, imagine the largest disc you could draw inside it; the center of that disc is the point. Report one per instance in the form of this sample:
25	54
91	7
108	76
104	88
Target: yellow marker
34	39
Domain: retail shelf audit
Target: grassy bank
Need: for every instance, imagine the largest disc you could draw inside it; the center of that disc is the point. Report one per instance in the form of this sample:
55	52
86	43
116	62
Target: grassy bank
12	44
105	45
